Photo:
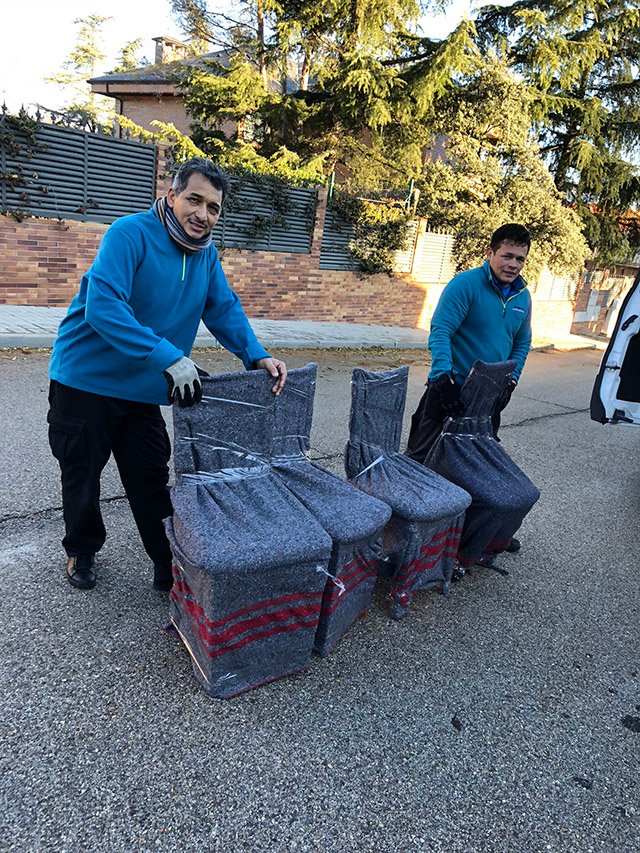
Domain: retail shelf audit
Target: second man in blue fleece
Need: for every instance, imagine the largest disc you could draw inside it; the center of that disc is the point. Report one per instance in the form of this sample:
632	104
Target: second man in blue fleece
483	313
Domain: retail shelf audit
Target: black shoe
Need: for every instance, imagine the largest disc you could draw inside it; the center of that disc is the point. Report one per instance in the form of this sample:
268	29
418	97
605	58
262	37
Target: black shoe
513	547
162	578
458	573
81	572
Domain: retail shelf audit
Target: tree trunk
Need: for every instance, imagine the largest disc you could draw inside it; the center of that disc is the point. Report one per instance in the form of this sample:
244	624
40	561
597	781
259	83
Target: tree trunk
355	20
305	71
262	65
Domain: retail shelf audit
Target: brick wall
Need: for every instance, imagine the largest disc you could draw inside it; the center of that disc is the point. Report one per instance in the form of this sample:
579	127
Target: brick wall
42	262
165	107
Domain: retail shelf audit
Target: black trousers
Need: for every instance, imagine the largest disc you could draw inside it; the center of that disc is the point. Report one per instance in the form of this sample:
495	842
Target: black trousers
84	430
427	422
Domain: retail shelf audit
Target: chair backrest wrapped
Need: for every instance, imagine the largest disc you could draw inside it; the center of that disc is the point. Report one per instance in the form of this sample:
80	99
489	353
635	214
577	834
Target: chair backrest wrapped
377	409
230	430
293	415
468	454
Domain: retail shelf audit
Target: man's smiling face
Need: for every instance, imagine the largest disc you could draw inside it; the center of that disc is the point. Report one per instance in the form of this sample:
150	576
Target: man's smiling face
197	208
507	260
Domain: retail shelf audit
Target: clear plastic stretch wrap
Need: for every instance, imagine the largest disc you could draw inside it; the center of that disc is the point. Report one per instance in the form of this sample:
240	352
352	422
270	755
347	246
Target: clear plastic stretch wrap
468	454
250	561
354	521
421	540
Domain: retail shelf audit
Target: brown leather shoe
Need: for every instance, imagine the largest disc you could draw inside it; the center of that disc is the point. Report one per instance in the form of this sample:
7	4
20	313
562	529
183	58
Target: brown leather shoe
81	572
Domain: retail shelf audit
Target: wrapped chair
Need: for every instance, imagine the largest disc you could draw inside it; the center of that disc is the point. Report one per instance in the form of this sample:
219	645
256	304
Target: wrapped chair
421	539
354	520
250	562
468	454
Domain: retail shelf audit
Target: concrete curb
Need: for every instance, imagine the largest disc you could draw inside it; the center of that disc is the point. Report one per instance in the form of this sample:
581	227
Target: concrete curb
22	340
31	327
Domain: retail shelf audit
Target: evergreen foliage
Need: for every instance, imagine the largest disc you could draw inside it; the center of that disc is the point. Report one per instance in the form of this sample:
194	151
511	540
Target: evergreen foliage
368	97
85	108
581	63
489	172
379	231
128	57
342	82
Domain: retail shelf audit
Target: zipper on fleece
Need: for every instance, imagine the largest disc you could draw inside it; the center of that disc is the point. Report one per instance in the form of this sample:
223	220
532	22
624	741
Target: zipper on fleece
513	296
184	263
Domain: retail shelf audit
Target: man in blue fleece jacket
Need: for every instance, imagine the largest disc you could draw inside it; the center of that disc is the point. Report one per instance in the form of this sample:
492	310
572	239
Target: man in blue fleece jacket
483	313
123	350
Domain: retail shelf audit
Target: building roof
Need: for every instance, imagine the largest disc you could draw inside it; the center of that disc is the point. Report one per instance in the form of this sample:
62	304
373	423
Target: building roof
164	72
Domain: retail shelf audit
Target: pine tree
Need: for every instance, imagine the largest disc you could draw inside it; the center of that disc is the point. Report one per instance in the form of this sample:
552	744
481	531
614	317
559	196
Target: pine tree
85	109
347	82
128	58
581	61
375	100
488	172
192	18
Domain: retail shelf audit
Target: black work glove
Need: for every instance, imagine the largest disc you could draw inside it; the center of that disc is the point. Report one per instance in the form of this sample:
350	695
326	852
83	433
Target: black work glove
449	394
503	400
184	382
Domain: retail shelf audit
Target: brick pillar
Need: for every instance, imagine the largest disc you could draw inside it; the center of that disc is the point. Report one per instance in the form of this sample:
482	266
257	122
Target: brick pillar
163	176
318	228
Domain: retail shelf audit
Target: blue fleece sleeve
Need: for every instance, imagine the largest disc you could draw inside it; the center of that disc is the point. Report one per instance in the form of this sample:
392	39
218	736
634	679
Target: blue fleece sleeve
224	317
521	345
451	310
108	310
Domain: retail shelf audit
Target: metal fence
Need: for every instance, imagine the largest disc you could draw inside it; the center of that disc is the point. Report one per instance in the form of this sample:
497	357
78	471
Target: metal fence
267	216
336	237
404	258
556	288
338	234
61	172
434	262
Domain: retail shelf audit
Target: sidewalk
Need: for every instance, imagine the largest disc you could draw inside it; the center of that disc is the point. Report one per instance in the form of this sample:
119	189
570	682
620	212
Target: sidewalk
30	327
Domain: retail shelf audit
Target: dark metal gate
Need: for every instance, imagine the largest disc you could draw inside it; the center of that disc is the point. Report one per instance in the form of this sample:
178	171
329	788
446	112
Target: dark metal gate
52	171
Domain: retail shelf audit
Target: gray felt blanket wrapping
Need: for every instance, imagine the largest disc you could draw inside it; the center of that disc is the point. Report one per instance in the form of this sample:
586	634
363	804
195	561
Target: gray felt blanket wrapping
354	520
468	454
250	561
421	540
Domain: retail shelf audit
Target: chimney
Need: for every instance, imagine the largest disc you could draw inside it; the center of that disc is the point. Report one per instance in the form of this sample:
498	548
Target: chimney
168	49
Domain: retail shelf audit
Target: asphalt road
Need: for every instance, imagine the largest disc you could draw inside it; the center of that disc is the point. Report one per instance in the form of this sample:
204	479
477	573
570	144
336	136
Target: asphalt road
108	744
